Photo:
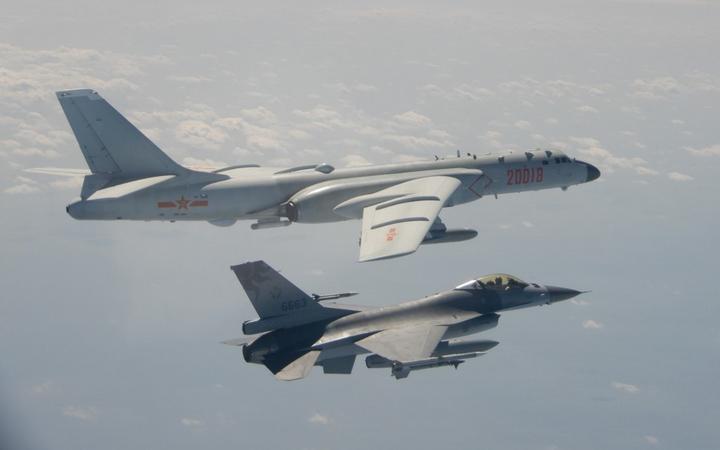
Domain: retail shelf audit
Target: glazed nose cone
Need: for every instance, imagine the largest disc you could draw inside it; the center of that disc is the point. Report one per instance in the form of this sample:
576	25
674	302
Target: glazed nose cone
593	173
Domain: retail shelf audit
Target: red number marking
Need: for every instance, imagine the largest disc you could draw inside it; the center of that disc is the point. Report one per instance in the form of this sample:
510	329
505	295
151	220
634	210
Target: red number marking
525	175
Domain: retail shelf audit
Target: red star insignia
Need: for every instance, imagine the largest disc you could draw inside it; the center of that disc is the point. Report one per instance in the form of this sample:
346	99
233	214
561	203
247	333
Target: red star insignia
183	203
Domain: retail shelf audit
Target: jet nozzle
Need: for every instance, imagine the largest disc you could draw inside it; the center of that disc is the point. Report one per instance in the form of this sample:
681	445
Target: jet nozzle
558	294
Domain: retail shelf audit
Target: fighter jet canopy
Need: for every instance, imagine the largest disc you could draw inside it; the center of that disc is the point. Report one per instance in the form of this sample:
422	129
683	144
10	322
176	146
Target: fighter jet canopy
494	281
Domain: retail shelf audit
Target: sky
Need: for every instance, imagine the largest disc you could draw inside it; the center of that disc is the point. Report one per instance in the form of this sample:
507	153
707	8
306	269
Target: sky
110	332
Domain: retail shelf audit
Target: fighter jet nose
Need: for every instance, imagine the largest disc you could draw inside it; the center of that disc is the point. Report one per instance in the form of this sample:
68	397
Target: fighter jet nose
558	294
593	173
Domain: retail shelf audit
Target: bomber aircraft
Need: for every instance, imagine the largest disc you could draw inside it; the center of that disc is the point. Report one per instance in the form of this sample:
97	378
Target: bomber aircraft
130	178
296	331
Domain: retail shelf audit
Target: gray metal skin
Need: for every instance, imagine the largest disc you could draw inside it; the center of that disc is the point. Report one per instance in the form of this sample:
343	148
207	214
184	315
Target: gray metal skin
465	310
310	196
132	179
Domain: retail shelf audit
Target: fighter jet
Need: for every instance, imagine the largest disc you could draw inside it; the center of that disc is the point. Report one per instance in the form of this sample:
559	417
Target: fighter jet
296	331
130	178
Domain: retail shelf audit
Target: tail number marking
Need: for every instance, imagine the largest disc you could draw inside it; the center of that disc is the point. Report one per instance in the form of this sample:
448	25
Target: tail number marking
292	305
525	175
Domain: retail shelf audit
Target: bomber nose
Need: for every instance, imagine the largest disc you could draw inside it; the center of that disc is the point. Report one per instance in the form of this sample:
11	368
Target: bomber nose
558	294
593	173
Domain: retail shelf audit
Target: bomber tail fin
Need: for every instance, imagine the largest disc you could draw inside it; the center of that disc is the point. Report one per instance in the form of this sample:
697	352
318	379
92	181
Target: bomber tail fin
111	145
270	293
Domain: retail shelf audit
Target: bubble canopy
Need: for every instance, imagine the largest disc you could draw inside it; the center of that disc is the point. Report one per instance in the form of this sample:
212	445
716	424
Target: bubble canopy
494	281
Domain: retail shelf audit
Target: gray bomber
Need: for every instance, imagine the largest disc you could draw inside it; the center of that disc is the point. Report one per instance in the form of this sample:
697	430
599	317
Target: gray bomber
130	178
296	331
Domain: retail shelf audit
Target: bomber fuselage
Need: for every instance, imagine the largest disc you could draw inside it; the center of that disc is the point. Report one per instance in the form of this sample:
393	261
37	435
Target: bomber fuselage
312	195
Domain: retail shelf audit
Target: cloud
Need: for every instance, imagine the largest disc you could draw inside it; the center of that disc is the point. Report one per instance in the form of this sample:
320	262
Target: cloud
712	150
203	164
24	186
261	138
592	325
656	88
43	388
660	88
189	79
608	161
34	151
31	75
191	422
652	440
586	109
523	124
347	89
677	176
197	133
641	170
259	114
355	161
528	224
68	183
319	419
319	113
625	387
86	413
411	118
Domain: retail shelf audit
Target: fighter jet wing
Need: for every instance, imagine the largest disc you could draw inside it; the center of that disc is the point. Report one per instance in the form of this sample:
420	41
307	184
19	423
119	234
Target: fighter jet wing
288	367
397	226
404	344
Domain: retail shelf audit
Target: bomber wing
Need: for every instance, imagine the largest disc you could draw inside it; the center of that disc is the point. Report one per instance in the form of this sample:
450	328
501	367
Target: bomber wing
397	226
404	344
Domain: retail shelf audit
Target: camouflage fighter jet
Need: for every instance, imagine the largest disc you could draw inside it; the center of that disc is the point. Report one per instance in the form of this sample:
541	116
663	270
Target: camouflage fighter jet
296	331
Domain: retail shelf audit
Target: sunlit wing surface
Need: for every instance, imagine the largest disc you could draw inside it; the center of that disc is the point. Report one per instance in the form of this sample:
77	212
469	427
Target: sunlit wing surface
299	368
397	226
404	344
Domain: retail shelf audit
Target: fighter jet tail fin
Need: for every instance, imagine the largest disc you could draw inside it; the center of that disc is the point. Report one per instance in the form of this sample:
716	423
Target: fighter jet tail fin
111	145
271	293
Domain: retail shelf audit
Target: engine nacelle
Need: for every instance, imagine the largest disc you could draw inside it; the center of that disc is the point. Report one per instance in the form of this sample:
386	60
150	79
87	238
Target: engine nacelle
453	235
